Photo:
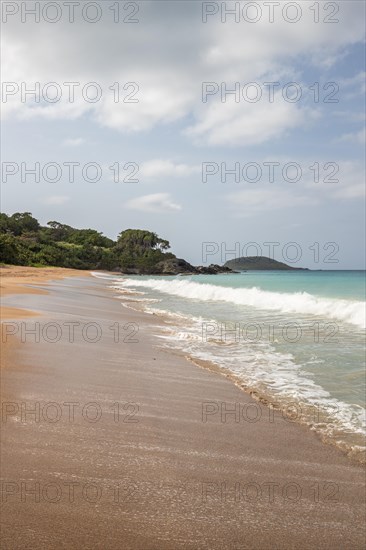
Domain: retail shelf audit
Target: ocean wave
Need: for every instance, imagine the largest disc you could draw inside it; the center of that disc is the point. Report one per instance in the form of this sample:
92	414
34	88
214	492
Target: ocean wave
280	381
349	311
99	275
273	375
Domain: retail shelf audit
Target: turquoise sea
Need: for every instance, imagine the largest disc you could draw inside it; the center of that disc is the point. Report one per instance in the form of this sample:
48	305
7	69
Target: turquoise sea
296	338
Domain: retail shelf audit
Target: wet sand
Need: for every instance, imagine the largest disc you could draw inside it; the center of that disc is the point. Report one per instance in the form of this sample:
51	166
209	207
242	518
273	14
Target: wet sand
24	280
131	447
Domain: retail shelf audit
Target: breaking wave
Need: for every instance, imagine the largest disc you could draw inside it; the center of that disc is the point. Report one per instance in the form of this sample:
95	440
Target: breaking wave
349	311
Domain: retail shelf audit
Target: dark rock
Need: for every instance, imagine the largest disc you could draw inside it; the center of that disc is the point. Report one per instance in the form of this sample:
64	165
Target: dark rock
213	269
131	271
176	266
173	266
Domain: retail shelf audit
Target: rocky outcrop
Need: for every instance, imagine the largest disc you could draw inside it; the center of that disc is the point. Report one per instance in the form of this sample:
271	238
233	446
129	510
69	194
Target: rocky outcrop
213	269
177	266
173	266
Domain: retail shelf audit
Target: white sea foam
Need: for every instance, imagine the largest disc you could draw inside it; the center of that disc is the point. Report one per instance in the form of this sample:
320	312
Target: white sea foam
98	275
259	365
274	374
349	311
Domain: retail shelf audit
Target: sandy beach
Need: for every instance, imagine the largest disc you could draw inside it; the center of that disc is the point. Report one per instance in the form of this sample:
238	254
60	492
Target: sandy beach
109	441
25	280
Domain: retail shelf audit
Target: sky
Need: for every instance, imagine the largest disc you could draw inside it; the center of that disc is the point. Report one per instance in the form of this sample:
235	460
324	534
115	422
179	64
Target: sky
222	131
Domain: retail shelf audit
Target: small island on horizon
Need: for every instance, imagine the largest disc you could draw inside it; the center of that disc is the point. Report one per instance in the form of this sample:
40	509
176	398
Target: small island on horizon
260	263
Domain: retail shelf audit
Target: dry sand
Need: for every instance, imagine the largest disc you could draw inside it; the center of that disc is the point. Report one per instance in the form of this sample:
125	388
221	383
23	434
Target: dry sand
116	454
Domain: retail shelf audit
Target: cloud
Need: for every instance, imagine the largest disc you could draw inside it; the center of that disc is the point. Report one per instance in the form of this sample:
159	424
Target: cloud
253	201
346	182
355	137
318	181
157	202
351	116
73	142
169	68
249	124
160	168
354	86
355	191
56	200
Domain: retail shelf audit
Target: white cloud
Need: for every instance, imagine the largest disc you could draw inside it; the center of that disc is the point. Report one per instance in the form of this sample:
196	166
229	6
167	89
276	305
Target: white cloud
157	202
169	68
160	168
253	201
354	86
319	181
355	137
349	181
73	142
351	116
249	123
354	191
56	200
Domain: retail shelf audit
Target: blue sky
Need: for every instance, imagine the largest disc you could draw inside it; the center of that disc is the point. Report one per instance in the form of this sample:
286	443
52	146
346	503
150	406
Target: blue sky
170	132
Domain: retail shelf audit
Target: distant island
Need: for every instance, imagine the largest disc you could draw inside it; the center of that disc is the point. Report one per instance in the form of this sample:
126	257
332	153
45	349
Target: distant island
260	263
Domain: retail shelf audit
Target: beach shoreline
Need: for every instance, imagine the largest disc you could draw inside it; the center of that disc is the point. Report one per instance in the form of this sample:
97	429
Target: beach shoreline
24	280
179	455
180	331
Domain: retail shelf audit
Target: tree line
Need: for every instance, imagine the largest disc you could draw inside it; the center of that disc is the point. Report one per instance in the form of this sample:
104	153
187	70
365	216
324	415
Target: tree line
23	241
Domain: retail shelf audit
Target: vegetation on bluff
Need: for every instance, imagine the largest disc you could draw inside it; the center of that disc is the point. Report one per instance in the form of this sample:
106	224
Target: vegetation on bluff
23	241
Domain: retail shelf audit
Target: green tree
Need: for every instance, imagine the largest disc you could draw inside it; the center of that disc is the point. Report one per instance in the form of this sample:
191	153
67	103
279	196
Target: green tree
139	242
19	223
89	237
14	251
24	242
59	231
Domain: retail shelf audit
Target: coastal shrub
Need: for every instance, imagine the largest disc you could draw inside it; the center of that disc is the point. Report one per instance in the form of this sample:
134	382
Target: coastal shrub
23	241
